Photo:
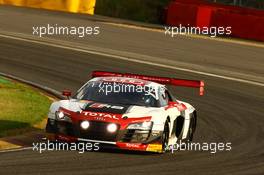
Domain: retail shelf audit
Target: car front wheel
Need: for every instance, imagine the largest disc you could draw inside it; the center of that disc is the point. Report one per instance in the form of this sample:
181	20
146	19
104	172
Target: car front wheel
165	137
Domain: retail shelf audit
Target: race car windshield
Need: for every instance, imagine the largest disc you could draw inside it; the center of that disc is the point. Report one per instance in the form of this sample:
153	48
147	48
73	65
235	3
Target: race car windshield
118	93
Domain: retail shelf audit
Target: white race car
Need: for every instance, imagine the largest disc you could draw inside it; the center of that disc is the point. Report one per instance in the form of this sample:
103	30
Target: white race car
126	111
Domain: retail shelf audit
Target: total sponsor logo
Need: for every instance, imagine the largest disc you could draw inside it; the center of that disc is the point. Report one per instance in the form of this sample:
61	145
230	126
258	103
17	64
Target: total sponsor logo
142	147
100	116
131	145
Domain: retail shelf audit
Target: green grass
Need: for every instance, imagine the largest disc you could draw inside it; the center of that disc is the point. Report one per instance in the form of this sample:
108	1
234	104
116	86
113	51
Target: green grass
20	106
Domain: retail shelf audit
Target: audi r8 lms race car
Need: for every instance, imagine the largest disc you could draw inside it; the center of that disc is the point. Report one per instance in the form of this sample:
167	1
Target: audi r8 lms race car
126	111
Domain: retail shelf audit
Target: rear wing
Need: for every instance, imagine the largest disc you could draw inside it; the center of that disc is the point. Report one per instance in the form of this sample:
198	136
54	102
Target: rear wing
161	80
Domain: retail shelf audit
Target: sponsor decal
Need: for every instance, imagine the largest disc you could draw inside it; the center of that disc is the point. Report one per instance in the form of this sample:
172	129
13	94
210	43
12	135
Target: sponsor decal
99	115
106	108
154	148
99	105
122	80
131	145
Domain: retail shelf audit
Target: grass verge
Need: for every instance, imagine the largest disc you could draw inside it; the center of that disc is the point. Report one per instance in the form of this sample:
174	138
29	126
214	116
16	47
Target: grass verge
21	107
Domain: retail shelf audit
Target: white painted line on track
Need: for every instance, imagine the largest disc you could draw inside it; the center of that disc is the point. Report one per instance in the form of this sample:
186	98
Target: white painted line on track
204	37
44	88
133	60
16	149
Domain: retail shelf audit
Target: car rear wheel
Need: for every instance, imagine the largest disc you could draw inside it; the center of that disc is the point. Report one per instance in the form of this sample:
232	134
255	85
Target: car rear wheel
192	129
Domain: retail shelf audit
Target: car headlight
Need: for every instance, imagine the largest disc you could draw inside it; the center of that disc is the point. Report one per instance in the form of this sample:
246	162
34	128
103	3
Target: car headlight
85	124
141	126
112	128
62	116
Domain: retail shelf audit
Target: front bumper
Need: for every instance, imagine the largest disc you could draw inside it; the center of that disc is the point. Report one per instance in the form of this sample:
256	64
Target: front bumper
155	147
123	139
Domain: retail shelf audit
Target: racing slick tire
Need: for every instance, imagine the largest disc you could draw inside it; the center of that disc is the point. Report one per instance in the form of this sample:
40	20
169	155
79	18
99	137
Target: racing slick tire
192	128
165	137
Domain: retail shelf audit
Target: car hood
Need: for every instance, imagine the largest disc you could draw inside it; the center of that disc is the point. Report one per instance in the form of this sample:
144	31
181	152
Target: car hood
130	111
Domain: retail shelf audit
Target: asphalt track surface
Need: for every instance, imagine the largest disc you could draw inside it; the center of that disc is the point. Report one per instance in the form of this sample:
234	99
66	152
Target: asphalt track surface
230	111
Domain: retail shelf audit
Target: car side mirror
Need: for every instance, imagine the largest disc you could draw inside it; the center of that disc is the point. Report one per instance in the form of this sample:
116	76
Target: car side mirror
66	93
